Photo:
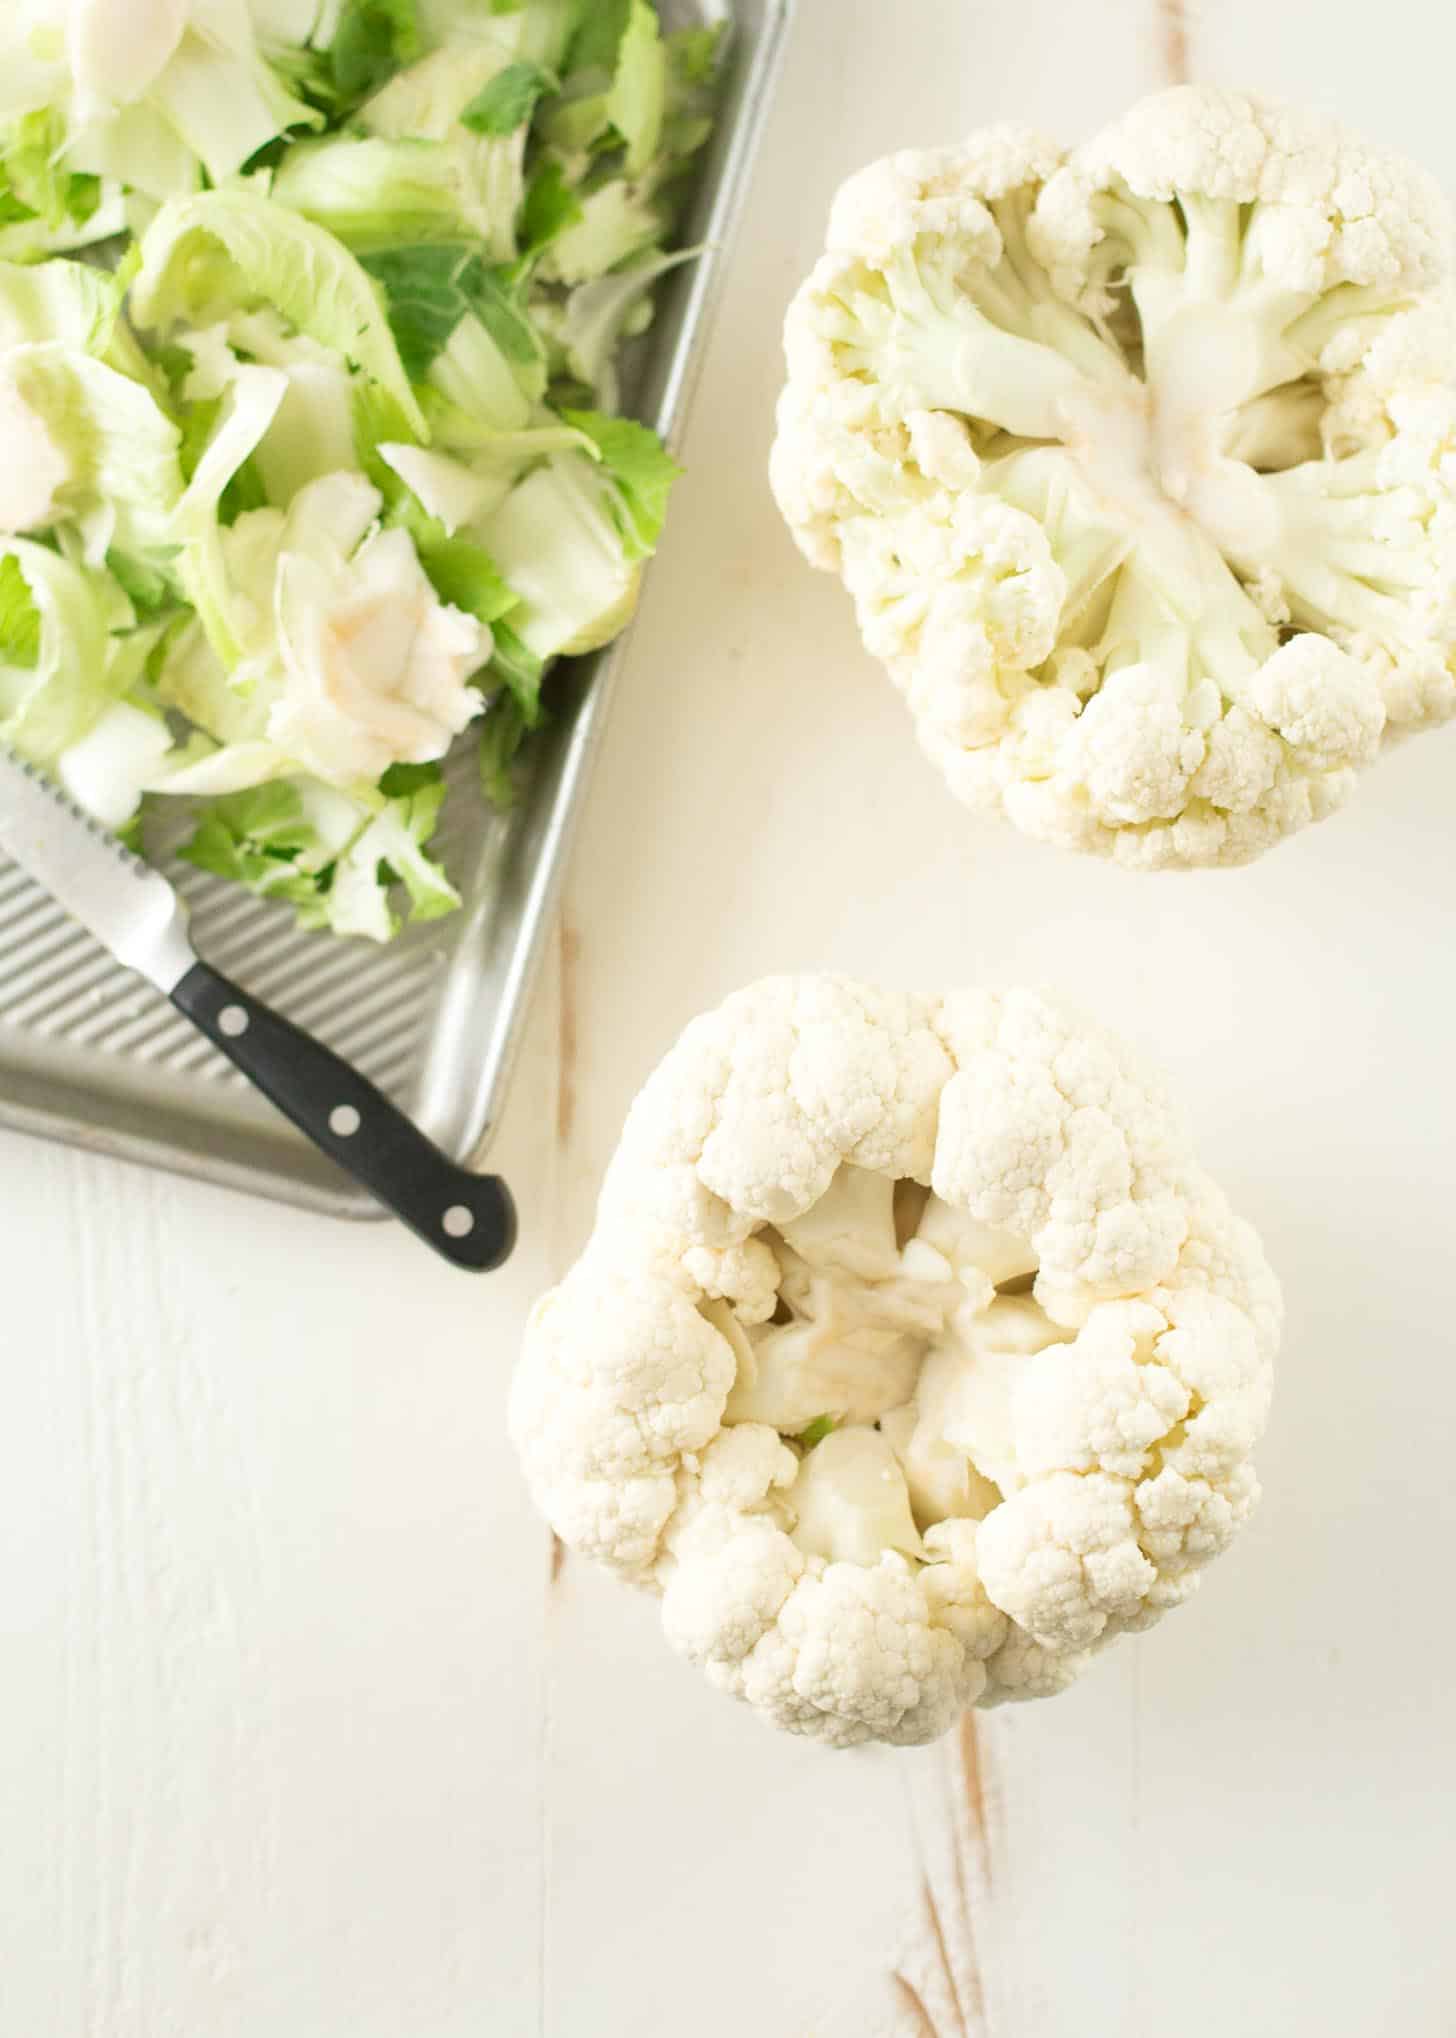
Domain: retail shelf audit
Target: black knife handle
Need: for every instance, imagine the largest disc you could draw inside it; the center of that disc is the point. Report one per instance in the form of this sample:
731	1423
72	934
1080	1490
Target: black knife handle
469	1219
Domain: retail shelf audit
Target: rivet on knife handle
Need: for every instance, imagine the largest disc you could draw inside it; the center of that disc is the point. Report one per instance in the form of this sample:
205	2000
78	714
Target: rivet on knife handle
468	1218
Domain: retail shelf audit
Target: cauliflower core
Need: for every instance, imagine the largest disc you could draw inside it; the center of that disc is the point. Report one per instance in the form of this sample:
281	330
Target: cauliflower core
912	1358
1140	465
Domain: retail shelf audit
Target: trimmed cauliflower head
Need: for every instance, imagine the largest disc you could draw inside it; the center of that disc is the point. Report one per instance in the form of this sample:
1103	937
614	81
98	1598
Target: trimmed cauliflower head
912	1359
1140	465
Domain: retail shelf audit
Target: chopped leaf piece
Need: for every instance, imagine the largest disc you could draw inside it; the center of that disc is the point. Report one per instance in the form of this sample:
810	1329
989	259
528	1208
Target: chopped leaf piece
493	295
509	100
502	735
642	468
599	38
401	833
331	858
377	419
223	251
577	122
69	302
426	303
693	53
618	220
148	588
59	665
638	96
424	103
551	206
516	667
465	575
374	39
391	851
430	288
19	617
600	315
403	779
479	384
559	538
266	821
376	193
90	450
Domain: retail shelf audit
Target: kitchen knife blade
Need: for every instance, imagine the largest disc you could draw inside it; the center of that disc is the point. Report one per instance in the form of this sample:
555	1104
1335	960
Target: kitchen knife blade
132	910
128	906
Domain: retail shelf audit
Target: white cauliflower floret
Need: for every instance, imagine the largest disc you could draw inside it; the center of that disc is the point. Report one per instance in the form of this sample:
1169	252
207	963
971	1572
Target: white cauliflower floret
1185	1522
955	1594
1062	1558
912	1358
1101	1400
1332	208
767	1098
608	1417
1023	1668
1213	1349
1132	748
960	598
730	1579
854	1656
939	192
1140	466
1241	762
1049	1130
746	1274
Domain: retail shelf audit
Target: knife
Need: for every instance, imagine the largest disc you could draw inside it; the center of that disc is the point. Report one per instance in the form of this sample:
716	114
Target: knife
469	1219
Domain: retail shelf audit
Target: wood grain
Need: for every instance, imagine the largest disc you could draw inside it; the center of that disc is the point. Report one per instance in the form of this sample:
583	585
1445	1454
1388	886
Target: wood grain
1175	41
568	1037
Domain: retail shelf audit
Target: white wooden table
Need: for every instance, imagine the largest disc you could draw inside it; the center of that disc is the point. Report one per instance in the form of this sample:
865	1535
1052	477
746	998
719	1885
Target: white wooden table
305	1735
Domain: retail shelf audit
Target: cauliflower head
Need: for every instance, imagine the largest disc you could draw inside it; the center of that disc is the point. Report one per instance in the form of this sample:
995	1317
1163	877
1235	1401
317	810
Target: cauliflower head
912	1358
1140	465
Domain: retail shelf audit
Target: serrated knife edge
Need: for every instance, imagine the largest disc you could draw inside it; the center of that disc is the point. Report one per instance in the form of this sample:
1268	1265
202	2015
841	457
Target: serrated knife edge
129	907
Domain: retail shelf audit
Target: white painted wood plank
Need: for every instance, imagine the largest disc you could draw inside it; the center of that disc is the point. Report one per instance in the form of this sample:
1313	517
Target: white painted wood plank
270	1635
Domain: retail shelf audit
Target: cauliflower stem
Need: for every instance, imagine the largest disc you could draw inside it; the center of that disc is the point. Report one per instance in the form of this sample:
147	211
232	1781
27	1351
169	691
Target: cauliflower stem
1139	465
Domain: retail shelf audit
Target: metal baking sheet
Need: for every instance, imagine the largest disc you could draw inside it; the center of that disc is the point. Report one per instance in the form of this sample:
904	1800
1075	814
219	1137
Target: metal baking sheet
92	1056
